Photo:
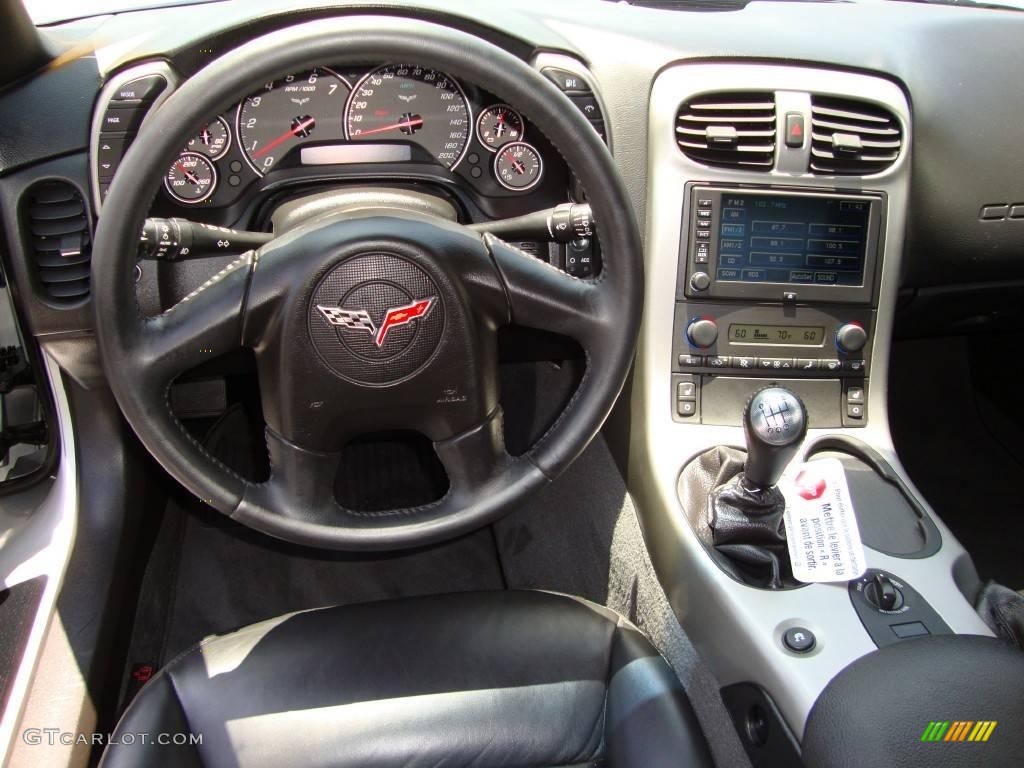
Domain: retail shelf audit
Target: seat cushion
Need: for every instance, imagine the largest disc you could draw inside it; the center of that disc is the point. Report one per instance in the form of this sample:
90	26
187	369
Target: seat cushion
473	679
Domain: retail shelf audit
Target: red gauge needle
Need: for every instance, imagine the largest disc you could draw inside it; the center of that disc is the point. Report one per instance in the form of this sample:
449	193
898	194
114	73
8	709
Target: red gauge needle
518	167
187	174
285	136
404	124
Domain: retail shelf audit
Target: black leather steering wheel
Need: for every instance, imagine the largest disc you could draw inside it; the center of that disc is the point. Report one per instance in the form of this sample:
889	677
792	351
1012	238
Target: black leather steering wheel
437	369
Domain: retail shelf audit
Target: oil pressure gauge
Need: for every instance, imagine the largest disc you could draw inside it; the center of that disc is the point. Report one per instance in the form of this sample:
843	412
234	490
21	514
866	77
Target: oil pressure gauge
518	166
213	140
498	126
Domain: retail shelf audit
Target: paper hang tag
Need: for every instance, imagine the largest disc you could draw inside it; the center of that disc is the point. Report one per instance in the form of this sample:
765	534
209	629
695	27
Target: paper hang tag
821	527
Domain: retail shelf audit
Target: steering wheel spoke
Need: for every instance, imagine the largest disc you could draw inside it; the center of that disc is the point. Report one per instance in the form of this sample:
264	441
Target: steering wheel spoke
204	324
544	297
474	458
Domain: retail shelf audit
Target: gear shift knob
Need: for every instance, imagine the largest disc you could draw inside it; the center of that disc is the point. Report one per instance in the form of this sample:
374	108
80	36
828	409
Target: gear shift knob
775	423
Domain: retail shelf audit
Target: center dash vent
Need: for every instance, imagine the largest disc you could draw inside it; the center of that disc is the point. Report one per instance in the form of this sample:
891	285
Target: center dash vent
56	222
851	137
730	130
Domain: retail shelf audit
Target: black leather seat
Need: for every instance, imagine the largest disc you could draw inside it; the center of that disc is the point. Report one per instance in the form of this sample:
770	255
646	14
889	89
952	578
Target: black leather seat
476	679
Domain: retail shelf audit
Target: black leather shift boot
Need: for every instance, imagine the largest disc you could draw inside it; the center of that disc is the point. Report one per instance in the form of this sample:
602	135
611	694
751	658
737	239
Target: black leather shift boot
741	528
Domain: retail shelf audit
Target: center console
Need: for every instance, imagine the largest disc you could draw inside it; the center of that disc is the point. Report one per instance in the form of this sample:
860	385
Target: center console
776	211
780	283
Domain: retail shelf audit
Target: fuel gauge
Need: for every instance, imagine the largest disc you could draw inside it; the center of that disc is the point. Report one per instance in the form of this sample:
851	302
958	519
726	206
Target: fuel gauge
213	141
499	125
518	166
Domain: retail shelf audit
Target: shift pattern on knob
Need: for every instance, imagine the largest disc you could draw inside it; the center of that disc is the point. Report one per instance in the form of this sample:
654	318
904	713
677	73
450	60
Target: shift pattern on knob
774	422
777	416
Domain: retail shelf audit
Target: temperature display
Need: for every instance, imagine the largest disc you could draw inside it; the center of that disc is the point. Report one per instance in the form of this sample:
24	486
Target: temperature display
789	335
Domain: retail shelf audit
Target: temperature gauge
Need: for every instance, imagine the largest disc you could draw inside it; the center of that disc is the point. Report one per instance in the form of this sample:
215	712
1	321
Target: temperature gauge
499	125
191	179
213	141
518	166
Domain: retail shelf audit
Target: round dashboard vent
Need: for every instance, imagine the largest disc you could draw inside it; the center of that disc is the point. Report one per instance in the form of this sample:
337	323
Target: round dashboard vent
57	229
729	130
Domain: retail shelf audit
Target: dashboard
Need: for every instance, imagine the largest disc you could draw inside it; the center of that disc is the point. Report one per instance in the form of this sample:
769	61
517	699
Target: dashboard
397	125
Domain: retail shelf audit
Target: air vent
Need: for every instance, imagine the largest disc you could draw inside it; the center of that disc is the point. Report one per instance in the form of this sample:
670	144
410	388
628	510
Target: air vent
57	227
850	137
731	130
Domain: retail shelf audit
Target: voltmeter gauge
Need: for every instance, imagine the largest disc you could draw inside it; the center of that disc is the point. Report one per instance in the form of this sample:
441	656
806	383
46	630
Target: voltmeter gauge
213	140
498	126
518	166
191	178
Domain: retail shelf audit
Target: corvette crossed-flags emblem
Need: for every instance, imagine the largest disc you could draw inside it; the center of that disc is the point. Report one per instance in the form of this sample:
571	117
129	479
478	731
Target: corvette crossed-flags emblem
360	320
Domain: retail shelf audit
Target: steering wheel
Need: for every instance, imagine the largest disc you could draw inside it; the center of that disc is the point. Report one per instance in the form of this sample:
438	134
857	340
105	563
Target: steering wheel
447	287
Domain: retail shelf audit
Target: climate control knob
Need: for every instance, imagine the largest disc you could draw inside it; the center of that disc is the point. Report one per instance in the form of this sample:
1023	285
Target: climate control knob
702	332
851	337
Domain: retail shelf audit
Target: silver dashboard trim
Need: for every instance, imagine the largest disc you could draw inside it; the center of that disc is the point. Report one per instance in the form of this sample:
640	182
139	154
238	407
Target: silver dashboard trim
570	64
738	629
37	542
115	81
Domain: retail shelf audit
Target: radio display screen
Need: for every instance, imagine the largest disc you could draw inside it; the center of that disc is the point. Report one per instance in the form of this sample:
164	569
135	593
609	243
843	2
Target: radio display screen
792	239
789	335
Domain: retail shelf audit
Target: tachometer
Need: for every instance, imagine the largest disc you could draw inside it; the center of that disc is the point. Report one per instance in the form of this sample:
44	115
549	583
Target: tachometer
303	107
403	102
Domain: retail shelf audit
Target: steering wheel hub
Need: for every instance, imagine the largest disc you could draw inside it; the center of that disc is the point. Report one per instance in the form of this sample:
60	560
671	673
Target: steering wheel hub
376	318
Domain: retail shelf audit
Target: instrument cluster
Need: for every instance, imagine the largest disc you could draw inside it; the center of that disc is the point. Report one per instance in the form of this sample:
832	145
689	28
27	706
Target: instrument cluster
333	120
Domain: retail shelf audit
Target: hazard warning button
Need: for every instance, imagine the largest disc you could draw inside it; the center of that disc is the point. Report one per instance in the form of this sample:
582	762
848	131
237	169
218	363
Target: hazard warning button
794	129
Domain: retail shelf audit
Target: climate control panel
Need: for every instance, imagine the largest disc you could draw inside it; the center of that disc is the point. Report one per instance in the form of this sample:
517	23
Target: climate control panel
729	348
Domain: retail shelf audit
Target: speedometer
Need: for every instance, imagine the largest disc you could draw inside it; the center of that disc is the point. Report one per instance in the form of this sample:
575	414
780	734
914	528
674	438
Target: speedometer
403	102
300	108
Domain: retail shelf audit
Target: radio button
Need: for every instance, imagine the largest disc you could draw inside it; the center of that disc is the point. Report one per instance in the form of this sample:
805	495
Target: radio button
703	234
704	213
701	256
700	281
703	203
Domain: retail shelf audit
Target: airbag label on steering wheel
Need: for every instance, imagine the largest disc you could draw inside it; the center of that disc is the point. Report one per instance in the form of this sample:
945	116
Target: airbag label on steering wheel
821	527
